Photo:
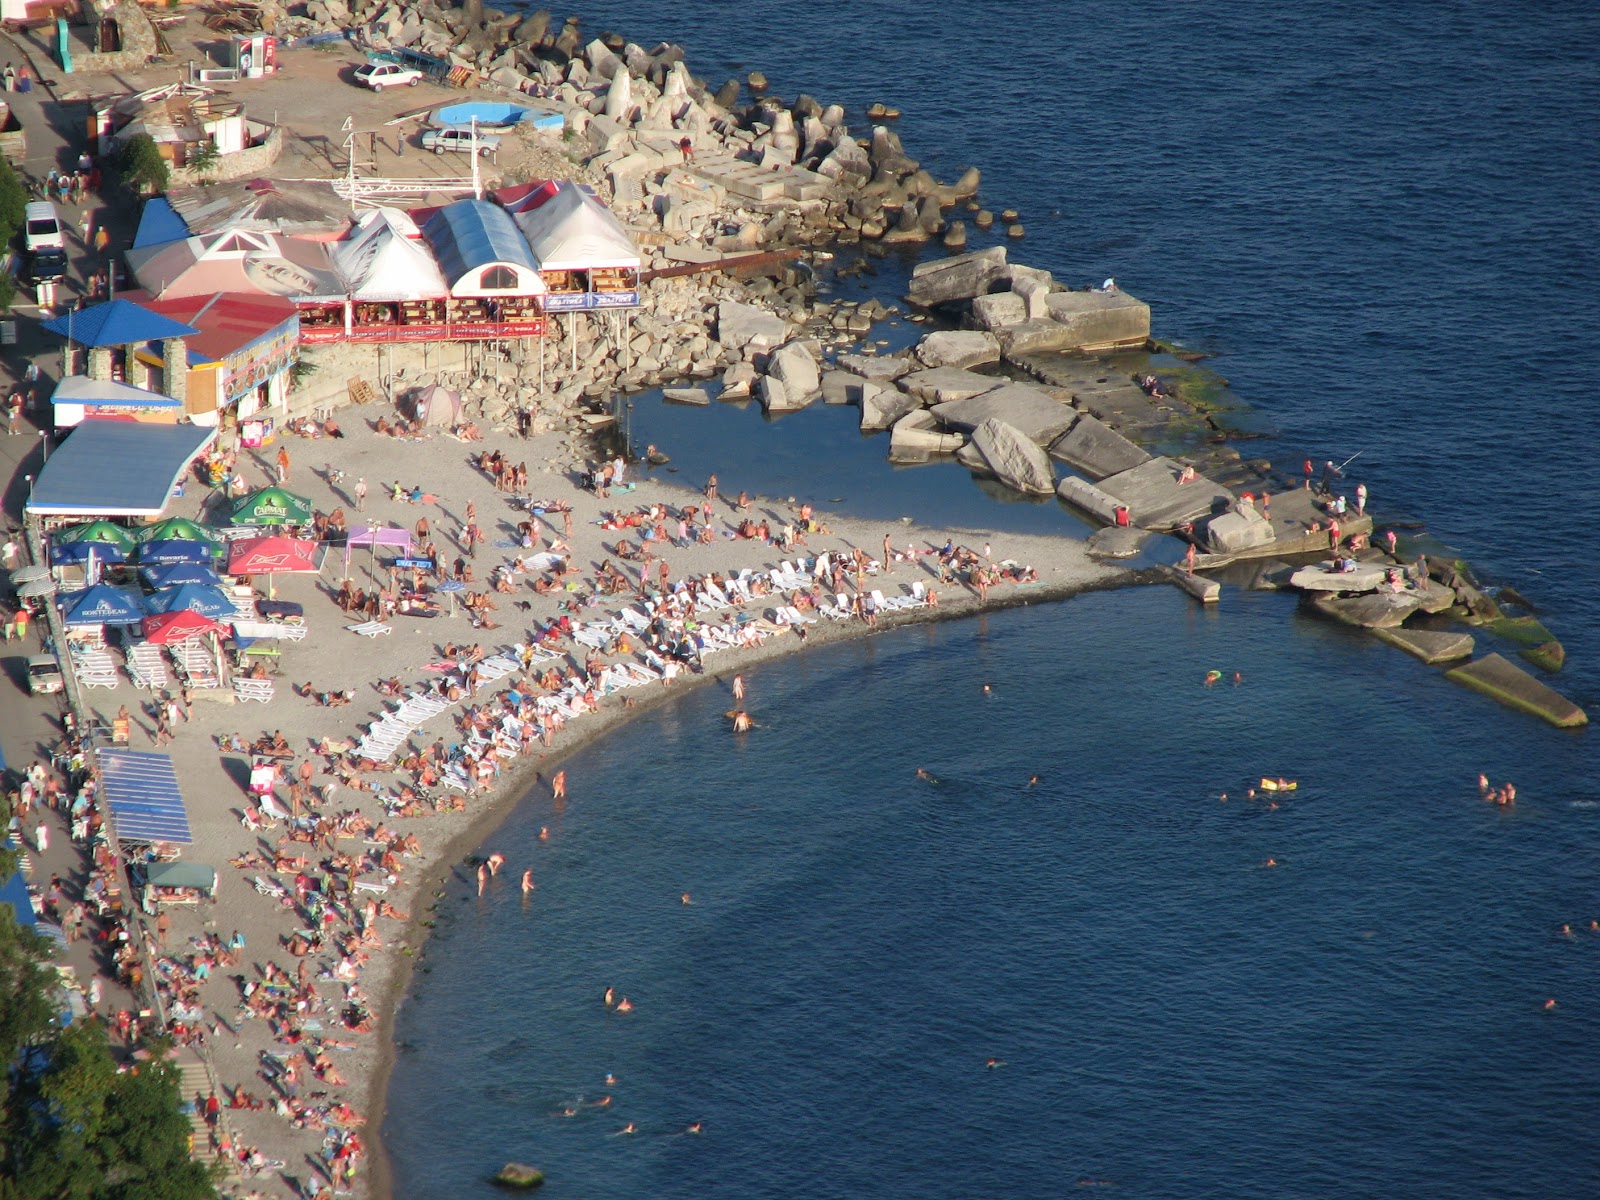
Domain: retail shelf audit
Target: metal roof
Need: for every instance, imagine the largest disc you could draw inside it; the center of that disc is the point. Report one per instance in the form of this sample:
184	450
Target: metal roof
116	323
472	233
80	389
116	468
142	791
159	223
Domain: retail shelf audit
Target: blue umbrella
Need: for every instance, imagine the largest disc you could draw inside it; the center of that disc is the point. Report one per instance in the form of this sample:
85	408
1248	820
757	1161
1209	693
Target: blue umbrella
178	573
451	585
193	597
174	550
62	555
103	605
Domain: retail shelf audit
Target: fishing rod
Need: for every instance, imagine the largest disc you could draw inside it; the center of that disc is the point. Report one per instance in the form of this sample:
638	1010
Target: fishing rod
1349	460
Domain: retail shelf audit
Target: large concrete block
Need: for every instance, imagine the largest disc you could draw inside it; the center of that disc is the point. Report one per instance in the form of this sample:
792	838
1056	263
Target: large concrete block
882	406
999	309
959	348
1156	500
1232	532
1014	457
942	384
945	280
741	326
1037	336
1099	319
1039	415
1080	493
794	365
1096	449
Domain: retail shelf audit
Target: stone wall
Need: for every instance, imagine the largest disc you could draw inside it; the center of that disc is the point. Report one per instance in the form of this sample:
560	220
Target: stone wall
246	163
138	42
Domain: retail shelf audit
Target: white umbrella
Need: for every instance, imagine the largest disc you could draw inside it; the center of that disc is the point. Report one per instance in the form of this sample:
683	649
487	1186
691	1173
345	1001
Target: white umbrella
36	587
29	574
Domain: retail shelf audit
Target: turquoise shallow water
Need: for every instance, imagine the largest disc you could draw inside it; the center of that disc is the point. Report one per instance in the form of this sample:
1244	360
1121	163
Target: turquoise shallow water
1380	216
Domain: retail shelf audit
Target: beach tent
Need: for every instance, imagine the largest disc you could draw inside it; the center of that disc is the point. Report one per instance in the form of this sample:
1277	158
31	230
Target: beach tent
174	550
95	531
173	574
101	604
177	527
436	405
192	597
373	536
272	506
381	260
178	626
568	229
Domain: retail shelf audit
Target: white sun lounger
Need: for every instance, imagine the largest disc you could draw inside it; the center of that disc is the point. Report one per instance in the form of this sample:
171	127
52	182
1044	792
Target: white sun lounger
369	629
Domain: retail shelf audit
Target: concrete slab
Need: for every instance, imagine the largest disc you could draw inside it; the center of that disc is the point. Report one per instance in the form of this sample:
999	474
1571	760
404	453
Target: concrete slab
1432	648
1093	447
1321	577
1080	493
943	384
1511	685
1377	610
1033	411
1101	319
1156	500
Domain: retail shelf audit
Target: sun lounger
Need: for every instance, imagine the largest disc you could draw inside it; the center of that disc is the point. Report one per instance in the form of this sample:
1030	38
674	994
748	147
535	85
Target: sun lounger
370	629
246	690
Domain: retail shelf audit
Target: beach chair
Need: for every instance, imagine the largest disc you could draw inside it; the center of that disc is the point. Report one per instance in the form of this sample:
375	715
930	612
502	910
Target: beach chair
368	629
919	595
258	690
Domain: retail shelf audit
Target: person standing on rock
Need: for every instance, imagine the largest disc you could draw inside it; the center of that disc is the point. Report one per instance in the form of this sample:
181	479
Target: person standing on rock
1333	535
1361	499
361	494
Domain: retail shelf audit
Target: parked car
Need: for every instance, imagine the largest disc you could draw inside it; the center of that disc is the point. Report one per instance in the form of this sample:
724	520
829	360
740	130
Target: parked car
440	140
44	675
380	75
44	266
41	228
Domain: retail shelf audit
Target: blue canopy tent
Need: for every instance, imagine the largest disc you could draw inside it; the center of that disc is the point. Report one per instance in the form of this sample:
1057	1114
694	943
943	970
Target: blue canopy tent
169	551
193	597
173	574
78	553
102	604
117	323
141	790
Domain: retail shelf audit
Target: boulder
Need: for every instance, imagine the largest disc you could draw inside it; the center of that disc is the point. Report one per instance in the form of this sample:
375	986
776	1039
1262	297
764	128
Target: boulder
916	435
794	366
744	326
1116	541
1207	591
947	383
1014	457
999	309
962	277
737	381
1080	493
877	366
1096	449
1034	294
619	98
1156	500
958	348
840	387
1243	529
1434	597
776	398
882	406
1036	336
687	395
518	1175
1033	411
1098	319
1510	684
1432	648
1376	610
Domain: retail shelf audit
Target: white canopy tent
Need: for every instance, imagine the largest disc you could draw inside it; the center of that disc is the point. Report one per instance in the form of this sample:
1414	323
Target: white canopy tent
573	231
380	260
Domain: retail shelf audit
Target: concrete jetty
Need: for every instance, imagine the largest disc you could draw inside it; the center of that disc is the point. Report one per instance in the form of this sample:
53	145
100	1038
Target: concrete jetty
1511	685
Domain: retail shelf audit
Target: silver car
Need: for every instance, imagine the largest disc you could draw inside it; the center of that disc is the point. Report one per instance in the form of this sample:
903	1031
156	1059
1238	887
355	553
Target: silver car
440	140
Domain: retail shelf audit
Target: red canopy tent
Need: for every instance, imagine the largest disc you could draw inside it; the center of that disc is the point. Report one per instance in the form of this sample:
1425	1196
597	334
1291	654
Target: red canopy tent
273	554
178	626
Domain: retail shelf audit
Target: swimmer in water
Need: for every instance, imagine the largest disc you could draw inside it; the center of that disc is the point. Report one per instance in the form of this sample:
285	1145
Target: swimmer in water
1272	804
603	1102
992	1063
628	1128
1223	797
610	997
1594	926
1213	677
1033	781
1566	931
695	1128
685	899
987	690
624	1005
1250	794
495	862
742	722
483	878
544	833
1483	784
1550	1004
527	882
925	774
1238	678
569	1112
1271	862
611	1080
738	687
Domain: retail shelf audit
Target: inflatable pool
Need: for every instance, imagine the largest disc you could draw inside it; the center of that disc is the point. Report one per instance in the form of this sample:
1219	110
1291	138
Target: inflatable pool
497	114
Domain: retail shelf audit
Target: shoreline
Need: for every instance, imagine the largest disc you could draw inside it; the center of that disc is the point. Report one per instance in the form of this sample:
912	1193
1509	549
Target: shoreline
612	720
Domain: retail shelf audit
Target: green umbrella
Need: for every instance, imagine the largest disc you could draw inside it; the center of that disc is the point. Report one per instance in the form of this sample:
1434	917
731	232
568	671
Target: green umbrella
95	531
272	506
181	528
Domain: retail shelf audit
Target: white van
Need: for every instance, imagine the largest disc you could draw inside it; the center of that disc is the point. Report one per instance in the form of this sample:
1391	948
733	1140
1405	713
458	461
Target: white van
42	227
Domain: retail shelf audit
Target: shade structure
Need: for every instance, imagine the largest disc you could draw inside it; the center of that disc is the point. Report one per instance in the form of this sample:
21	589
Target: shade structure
177	527
272	554
109	468
178	626
193	597
141	790
35	587
174	550
95	531
174	574
102	605
272	506
29	574
74	553
116	323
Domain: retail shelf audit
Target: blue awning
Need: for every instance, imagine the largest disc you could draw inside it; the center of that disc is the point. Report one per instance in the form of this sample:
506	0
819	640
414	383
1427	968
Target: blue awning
117	323
116	468
159	223
141	789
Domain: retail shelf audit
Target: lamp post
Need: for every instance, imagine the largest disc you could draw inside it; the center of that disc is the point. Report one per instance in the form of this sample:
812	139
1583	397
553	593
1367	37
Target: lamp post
44	444
29	478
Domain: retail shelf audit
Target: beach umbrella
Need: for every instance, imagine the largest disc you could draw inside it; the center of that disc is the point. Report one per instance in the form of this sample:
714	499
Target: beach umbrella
102	604
163	628
174	550
95	531
29	574
35	587
173	574
76	553
195	597
272	506
177	527
271	555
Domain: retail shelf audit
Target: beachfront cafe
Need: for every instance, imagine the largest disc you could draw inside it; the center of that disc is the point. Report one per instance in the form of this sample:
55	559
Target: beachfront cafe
585	256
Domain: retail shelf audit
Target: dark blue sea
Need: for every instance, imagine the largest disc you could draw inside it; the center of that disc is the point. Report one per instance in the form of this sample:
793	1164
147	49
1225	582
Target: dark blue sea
1380	218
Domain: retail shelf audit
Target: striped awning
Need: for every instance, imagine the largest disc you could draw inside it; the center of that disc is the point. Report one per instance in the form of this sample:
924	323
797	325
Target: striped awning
141	789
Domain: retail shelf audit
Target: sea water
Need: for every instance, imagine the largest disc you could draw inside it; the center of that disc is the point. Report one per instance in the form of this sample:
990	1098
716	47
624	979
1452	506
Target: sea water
1380	218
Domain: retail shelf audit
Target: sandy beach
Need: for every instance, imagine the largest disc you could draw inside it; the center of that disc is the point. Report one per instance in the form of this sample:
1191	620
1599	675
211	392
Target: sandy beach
333	659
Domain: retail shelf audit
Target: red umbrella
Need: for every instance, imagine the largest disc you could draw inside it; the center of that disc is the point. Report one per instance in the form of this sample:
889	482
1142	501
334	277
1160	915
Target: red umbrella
271	554
177	626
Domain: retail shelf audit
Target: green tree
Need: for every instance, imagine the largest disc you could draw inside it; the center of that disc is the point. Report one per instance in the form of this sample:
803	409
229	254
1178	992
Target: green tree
141	166
25	1008
13	199
203	156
